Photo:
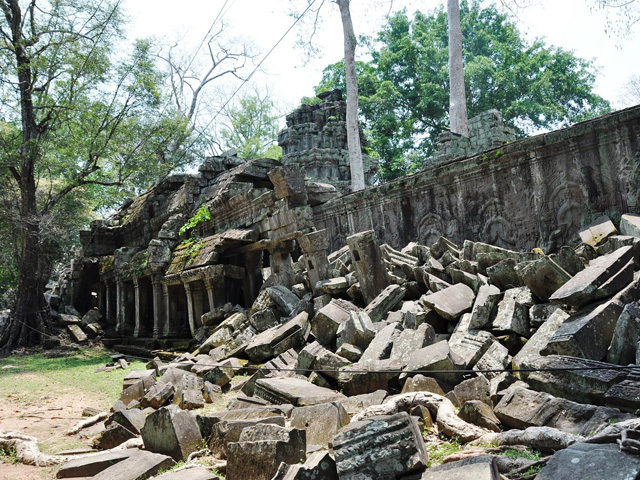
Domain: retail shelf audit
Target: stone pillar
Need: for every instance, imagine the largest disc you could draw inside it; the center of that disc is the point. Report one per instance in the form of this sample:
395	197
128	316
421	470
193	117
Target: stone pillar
108	307
102	308
314	246
281	264
197	297
216	290
166	327
368	264
119	306
138	307
253	278
159	314
192	326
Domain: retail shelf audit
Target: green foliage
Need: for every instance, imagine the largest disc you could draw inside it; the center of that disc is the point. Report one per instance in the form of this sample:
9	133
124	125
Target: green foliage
252	128
404	89
438	451
202	215
529	454
9	455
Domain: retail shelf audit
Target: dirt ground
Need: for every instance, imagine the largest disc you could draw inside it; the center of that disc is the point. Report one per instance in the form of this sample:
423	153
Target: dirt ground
47	419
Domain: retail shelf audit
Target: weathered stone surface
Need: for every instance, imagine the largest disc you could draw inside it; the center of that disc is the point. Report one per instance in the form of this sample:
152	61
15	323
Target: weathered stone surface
369	376
172	431
476	388
436	358
411	340
271	343
385	301
527	356
261	449
591	462
329	363
139	466
539	313
521	408
379	448
224	432
480	414
66	319
210	392
295	391
350	352
513	312
148	377
625	395
133	420
543	276
420	383
451	302
325	323
486	299
598	231
114	435
357	403
321	422
380	347
587	333
90	466
280	366
191	399
368	264
604	277
504	274
577	379
624	345
318	466
333	286
630	224
195	472
470	346
481	467
158	395
77	335
358	330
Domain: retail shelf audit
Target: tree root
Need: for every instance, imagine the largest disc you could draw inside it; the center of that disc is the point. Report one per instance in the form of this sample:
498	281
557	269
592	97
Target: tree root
27	450
87	423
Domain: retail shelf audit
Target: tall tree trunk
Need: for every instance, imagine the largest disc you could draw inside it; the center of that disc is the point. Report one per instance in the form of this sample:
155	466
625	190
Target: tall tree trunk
353	130
459	122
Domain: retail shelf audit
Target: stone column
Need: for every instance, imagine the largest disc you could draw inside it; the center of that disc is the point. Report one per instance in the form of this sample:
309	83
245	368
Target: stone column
314	246
101	298
137	307
281	264
216	289
166	327
368	264
108	307
192	326
159	314
253	278
119	306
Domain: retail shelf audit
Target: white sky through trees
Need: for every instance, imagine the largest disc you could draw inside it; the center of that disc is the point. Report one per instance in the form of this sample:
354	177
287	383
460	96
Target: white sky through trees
569	24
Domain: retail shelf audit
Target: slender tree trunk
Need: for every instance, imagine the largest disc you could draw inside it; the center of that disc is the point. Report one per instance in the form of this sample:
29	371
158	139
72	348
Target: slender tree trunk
459	122
353	130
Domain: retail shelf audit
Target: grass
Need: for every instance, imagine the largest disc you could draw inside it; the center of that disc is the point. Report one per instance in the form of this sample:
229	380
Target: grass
35	375
529	454
9	455
439	450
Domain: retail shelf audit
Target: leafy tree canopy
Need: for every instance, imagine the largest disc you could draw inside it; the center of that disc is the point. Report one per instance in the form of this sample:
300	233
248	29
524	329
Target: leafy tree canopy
404	88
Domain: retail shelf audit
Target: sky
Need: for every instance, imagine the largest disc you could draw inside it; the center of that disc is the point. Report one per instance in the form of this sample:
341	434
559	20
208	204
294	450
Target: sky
289	75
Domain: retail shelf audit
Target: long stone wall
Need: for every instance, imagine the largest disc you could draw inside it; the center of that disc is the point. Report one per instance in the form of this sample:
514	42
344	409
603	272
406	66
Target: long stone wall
535	192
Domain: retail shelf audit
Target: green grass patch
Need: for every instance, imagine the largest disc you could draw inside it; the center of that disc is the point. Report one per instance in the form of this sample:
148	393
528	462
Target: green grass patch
35	375
529	454
9	455
439	450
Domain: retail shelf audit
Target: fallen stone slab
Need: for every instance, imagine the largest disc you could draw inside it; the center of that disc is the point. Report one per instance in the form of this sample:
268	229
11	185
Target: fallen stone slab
318	466
158	395
544	439
486	299
225	432
370	376
539	313
475	388
148	377
513	312
470	346
630	224
368	263
261	449
591	462
270	343
543	277
92	465
504	274
357	403
357	330
77	335
321	422
480	414
195	472
139	466
385	301
380	347
451	302
326	321
410	340
528	355
624	345
597	231
379	448
604	277
297	392
350	352
480	467
496	358
172	431
436	358
625	395
283	366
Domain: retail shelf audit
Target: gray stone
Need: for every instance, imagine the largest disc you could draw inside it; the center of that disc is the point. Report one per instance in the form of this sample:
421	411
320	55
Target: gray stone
321	422
147	377
368	264
370	376
92	316
285	299
158	395
528	355
436	358
379	448
411	340
132	420
513	312
496	358
420	383
271	343
598	231
195	472
380	347
486	299
333	286
591	462
295	391
630	224
385	301
66	320
261	449
191	399
114	435
470	346
350	352
624	345
307	357
92	465
625	395
326	321
480	467
543	276
172	431
476	388
358	330
139	466
77	335
357	403
451	302
539	313
604	277
329	363
281	366
224	432
480	414
318	466
504	274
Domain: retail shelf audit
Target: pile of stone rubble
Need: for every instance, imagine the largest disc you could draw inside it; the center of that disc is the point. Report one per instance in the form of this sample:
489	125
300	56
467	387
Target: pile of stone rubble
348	375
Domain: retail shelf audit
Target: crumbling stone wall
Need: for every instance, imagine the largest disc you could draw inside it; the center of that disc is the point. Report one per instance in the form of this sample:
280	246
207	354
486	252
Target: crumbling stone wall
533	192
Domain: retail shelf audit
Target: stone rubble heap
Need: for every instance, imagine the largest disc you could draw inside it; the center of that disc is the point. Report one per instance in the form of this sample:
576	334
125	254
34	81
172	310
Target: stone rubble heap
374	349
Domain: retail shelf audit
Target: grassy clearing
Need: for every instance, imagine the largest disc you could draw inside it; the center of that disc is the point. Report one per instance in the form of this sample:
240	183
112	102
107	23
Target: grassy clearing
35	375
442	448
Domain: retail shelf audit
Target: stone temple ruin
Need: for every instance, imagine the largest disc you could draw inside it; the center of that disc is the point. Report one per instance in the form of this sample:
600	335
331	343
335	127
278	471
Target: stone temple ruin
492	297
